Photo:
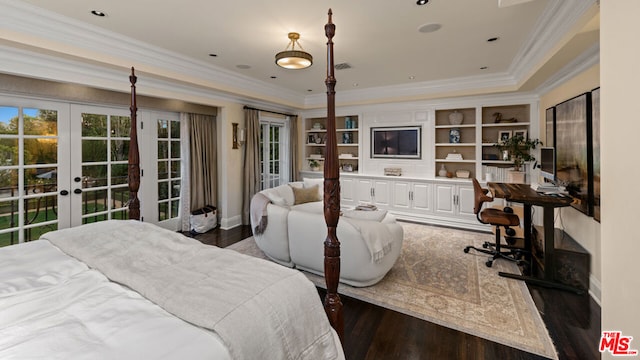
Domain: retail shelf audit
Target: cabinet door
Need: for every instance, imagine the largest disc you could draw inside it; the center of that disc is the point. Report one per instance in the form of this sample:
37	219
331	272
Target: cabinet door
382	192
401	195
466	201
347	192
421	197
444	199
364	190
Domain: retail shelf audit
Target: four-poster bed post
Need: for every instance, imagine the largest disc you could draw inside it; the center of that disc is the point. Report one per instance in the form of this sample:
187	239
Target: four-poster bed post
134	155
332	303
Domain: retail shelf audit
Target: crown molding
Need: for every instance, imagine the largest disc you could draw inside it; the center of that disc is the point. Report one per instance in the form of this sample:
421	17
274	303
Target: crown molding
86	61
88	42
580	64
556	21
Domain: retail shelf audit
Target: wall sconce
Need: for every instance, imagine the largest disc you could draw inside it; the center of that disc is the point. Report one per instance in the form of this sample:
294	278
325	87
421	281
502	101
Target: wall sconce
238	136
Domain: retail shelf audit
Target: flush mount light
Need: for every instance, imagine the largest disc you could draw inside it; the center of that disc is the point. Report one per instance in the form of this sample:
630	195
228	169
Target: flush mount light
422	2
98	13
292	58
493	39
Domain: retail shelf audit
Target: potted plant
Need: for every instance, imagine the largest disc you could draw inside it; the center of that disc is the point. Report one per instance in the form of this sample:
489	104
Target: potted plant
518	149
314	165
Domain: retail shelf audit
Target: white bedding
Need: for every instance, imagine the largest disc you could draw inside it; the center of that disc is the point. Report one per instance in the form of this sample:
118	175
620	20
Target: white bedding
54	306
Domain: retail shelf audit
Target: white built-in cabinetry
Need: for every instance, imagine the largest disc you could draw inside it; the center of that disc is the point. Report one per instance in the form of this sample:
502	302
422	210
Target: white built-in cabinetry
446	202
461	143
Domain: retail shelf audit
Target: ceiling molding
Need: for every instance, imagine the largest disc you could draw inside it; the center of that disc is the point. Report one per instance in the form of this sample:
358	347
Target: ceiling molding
83	40
580	64
86	60
551	29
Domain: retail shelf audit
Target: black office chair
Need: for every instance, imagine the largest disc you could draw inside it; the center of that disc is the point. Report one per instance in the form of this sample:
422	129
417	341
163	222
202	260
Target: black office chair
499	218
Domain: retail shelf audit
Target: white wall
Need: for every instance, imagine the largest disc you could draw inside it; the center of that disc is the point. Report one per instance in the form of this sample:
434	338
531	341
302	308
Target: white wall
619	130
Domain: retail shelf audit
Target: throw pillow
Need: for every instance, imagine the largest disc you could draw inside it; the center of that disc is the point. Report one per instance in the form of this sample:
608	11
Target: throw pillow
309	182
305	195
377	215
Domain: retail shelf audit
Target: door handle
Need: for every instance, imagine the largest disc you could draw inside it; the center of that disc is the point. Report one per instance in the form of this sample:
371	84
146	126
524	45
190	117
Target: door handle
77	191
64	193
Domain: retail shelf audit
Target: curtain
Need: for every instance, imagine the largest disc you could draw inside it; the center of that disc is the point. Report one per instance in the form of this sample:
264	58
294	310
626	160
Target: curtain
293	148
251	162
185	161
204	164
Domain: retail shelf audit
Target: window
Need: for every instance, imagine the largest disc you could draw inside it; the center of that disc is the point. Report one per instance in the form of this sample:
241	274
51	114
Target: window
274	152
169	175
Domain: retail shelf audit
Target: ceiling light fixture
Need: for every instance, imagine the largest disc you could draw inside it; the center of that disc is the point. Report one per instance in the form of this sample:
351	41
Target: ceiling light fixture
292	58
98	13
422	2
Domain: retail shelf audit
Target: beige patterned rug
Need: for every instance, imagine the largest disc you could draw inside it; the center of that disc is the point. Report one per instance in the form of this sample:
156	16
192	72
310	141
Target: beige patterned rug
436	281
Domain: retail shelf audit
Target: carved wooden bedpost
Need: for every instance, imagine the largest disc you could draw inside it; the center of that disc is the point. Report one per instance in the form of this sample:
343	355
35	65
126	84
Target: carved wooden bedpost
332	303
134	155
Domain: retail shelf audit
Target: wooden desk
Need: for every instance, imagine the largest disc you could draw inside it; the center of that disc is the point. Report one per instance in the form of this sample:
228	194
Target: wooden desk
522	193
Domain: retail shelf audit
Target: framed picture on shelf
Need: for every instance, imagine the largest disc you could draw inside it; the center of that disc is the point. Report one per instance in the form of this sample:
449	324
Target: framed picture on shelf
504	135
521	133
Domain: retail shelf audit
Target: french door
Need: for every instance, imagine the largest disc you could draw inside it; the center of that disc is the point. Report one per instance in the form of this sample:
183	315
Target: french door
61	165
99	151
274	156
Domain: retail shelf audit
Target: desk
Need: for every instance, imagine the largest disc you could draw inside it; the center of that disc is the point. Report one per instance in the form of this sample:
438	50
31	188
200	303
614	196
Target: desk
522	193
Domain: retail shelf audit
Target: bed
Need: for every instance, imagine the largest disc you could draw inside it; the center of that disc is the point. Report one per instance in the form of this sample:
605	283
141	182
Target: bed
125	289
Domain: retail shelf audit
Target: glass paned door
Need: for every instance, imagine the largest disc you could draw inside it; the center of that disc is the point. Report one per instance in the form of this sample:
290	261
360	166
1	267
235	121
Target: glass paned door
274	158
169	175
30	147
100	164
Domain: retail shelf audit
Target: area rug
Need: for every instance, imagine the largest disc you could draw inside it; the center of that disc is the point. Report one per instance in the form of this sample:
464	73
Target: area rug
435	280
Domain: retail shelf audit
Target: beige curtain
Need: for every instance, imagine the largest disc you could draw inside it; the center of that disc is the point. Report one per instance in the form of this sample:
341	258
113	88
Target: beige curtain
251	161
293	149
204	164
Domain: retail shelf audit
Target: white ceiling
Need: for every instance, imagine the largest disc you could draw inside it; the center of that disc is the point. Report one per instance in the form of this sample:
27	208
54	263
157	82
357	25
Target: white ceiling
379	39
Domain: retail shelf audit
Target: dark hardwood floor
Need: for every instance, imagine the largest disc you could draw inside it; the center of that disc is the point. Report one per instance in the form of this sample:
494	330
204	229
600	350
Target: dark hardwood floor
373	332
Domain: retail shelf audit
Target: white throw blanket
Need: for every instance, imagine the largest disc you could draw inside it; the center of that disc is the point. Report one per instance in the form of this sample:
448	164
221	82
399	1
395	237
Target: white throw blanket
261	310
376	236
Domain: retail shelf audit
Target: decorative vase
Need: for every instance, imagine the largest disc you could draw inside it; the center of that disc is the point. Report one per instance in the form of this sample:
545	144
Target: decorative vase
456	118
443	171
454	136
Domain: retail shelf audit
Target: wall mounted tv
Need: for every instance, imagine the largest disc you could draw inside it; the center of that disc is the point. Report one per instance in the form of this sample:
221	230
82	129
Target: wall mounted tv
402	142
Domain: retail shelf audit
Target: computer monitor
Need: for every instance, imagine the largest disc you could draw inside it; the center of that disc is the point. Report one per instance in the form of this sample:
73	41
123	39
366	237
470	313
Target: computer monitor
548	163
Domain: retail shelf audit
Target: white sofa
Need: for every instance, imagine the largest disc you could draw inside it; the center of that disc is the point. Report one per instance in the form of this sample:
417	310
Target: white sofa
294	235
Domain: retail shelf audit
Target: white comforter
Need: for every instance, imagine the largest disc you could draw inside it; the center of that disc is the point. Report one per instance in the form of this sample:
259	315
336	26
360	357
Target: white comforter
54	307
259	310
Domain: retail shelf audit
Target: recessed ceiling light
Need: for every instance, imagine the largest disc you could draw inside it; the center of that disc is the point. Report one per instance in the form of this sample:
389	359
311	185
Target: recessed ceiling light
429	28
309	90
355	84
213	55
484	68
493	39
422	2
412	77
98	13
274	77
243	66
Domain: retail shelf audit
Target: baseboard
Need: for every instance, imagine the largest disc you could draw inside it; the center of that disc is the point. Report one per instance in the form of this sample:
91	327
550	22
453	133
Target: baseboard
230	223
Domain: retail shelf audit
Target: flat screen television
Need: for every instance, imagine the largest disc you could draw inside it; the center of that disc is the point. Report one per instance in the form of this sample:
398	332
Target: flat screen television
548	163
396	142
